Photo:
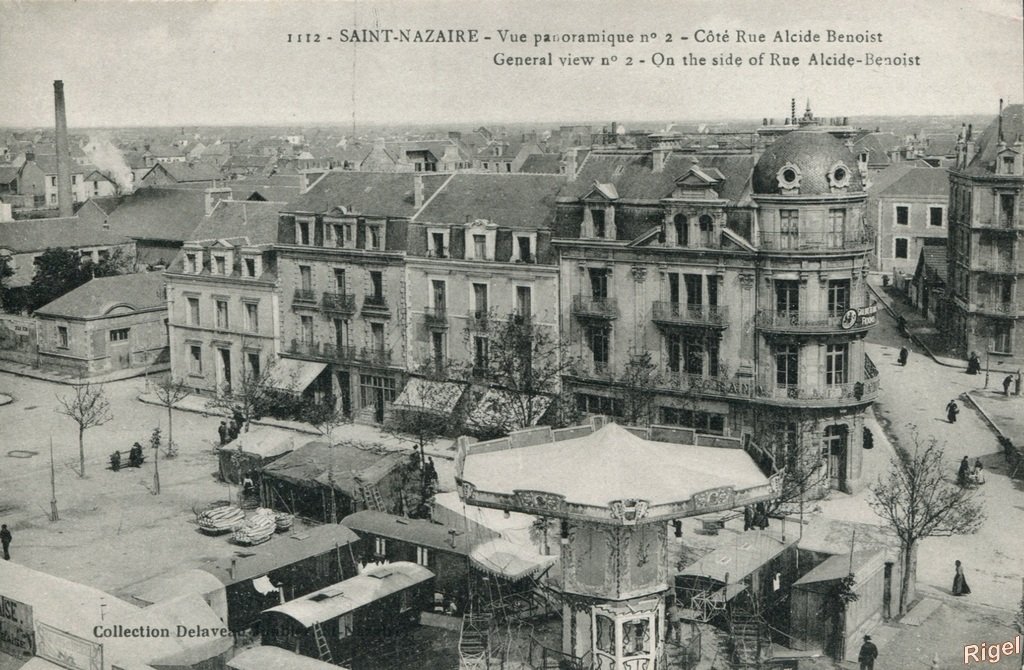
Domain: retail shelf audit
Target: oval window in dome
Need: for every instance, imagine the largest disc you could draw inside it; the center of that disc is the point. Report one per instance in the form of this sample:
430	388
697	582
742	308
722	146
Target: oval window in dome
788	176
839	176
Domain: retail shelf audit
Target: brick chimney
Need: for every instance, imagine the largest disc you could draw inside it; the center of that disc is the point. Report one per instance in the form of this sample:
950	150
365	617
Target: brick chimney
417	191
65	200
571	157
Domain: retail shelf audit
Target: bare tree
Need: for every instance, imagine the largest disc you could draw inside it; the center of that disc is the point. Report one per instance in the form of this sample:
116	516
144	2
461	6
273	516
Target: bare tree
88	407
640	381
776	444
526	363
170	392
255	392
918	499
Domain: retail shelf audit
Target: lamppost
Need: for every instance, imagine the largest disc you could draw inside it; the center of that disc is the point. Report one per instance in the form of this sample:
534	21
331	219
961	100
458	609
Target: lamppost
988	352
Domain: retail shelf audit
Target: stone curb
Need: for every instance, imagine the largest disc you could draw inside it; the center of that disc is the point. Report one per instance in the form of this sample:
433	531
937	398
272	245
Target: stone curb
913	338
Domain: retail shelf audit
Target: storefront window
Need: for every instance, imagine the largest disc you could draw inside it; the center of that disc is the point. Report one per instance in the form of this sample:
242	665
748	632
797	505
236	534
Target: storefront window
636	637
605	634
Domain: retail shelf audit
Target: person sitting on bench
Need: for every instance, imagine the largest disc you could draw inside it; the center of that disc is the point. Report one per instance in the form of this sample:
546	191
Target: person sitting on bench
115	461
135	456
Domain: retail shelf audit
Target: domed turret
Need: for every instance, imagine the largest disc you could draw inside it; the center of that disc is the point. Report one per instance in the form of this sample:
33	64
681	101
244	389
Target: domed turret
807	163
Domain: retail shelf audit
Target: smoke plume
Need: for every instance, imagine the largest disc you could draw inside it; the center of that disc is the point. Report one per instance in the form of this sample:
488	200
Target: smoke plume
108	158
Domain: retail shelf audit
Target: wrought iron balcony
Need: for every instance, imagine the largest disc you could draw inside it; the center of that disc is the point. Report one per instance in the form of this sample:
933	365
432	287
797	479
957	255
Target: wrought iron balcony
813	241
374	356
338	353
811	321
478	319
301	348
585	306
1008	224
375	303
304	296
435	317
338	303
673	313
768	389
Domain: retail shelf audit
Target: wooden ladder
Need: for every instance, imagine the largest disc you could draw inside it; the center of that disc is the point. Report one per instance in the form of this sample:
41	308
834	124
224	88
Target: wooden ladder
372	497
321	643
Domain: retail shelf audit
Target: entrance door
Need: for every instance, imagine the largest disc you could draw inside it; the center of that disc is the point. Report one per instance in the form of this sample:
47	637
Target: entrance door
378	410
835	450
224	370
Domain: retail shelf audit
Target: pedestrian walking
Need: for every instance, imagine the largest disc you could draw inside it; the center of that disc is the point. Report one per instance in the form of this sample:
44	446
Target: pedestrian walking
978	476
238	417
748	517
904	355
222	430
1006	385
5	540
868	654
973	364
760	516
232	430
960	587
951	411
964	472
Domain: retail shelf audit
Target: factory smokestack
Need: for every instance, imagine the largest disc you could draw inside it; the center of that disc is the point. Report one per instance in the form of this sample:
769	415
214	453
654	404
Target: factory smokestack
64	199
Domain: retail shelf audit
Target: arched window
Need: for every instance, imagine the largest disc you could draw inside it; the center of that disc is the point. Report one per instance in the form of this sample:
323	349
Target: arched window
682	229
705	223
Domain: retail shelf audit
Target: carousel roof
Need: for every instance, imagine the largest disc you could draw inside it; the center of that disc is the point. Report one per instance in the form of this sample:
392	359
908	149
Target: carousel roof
611	464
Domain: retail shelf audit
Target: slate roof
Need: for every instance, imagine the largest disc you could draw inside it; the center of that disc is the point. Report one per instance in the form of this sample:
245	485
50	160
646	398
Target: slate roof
367	193
542	164
253	222
95	298
986	145
169	214
935	259
511	200
48	164
634	178
8	173
189	172
40	234
917	181
353	463
814	152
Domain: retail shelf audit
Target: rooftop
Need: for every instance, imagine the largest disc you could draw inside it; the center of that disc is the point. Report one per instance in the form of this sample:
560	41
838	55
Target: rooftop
423	532
254	223
366	193
511	200
987	145
70	232
103	295
353	463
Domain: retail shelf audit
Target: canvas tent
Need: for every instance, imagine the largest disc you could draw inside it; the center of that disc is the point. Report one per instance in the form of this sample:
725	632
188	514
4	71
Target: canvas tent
252	450
261	658
302	481
502	558
425	395
167	587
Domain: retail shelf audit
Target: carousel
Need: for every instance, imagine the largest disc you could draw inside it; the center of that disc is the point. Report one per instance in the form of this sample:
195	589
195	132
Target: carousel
615	494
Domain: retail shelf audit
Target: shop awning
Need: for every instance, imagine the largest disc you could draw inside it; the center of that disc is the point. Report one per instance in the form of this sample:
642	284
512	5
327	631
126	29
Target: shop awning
290	374
507	410
511	561
425	395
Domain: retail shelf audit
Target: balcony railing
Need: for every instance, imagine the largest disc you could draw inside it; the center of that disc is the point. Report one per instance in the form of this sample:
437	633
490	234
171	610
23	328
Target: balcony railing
768	389
339	303
806	241
304	295
435	316
598	370
996	223
812	321
600	308
377	303
705	315
1002	308
322	351
478	319
999	265
374	356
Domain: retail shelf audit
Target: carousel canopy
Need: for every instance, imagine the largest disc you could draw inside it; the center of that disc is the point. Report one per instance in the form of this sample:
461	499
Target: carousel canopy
511	561
615	470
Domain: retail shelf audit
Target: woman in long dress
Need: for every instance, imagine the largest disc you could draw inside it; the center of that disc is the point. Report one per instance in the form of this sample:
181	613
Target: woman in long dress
960	587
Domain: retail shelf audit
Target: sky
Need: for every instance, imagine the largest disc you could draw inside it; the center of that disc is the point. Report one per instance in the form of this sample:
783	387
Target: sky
229	63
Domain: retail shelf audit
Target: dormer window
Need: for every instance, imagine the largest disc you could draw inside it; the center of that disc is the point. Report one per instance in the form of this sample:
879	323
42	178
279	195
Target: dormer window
437	243
600	228
192	263
479	246
302	232
374	237
251	266
479	240
682	229
344	235
525	249
220	264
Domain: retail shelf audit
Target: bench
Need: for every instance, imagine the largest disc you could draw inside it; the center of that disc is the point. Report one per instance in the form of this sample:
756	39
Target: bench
125	461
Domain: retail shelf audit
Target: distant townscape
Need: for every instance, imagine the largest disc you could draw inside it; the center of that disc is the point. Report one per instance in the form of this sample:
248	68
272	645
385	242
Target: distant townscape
576	397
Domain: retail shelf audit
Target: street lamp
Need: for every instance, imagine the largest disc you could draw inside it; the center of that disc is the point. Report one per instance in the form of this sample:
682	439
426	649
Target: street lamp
988	352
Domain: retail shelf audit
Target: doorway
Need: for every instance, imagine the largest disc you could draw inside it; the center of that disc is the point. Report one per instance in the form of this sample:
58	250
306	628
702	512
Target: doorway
835	450
224	370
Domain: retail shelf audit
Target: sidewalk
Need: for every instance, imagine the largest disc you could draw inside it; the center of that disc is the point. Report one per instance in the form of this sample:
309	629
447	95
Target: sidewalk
922	331
1003	415
67	377
442	448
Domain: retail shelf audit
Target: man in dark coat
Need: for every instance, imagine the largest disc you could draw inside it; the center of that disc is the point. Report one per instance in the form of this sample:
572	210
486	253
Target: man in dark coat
868	654
5	540
963	474
222	430
1006	384
951	411
904	355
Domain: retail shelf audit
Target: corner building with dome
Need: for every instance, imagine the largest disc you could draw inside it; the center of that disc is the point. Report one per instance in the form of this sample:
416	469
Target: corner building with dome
724	290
